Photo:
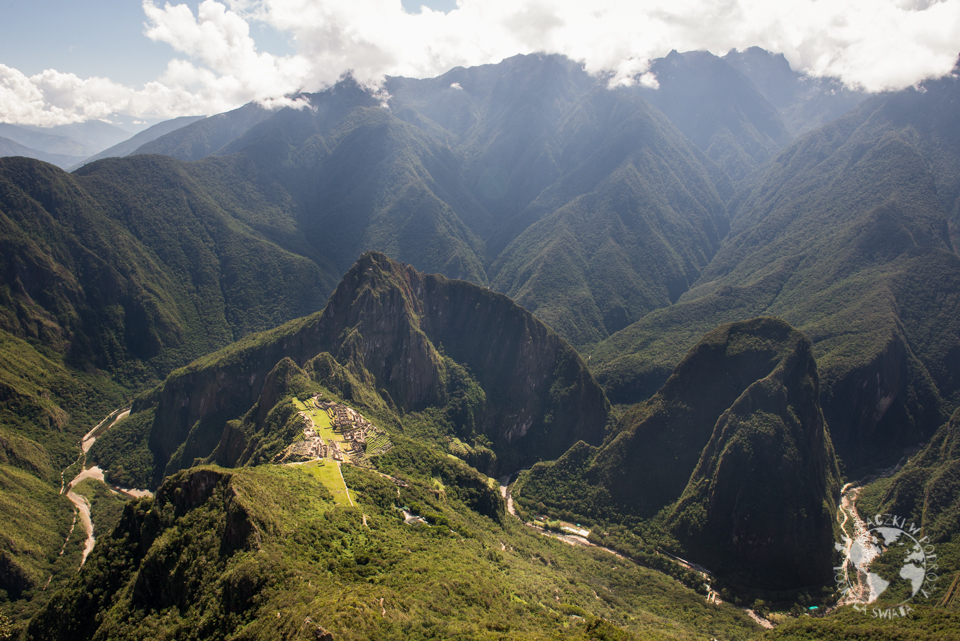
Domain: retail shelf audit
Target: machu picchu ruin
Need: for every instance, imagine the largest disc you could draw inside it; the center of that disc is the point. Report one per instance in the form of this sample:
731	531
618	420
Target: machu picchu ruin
334	431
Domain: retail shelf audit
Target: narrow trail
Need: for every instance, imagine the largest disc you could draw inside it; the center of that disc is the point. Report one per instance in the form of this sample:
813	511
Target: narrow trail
344	481
81	503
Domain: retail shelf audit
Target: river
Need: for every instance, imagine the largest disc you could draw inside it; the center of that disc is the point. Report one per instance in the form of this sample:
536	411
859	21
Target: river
80	502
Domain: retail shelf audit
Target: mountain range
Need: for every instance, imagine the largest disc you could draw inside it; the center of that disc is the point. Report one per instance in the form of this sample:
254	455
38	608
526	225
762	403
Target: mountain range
73	145
694	312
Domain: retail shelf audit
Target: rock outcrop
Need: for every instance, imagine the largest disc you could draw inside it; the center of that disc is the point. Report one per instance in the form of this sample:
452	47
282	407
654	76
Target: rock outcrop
731	459
394	338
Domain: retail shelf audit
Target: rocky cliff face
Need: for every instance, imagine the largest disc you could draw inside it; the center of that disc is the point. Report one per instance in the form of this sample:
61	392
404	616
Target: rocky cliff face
390	321
760	504
731	459
390	337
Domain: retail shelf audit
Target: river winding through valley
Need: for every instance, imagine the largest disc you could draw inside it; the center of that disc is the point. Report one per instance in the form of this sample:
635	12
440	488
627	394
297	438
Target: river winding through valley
80	502
859	549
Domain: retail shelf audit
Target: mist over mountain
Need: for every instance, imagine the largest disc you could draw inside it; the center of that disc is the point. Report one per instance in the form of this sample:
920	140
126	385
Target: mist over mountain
45	140
719	110
804	102
130	145
11	148
848	237
93	134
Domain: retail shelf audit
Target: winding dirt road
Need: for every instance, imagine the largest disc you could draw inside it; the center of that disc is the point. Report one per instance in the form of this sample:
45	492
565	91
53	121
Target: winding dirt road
571	539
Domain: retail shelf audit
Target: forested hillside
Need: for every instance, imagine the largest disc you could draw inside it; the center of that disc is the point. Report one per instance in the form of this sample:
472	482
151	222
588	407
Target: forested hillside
847	237
758	268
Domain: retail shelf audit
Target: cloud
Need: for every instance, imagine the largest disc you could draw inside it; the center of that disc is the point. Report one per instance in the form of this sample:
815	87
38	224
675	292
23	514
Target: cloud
872	44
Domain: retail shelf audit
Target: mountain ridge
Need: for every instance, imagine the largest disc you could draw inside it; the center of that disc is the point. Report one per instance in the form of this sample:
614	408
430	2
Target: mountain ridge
702	466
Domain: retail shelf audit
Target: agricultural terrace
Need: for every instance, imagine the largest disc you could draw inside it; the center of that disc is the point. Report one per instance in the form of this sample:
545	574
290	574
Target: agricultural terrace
333	434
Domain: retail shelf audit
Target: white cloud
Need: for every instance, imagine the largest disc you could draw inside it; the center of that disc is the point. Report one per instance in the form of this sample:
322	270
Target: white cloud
874	44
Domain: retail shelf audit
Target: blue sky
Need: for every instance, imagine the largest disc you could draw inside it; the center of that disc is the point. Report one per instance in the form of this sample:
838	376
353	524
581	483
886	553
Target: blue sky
69	61
105	37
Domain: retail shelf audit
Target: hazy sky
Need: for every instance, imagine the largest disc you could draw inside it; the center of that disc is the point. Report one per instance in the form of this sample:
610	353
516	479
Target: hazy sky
63	61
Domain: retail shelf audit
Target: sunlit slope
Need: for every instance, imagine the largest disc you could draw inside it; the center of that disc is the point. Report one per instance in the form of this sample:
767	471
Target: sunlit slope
848	238
264	553
448	359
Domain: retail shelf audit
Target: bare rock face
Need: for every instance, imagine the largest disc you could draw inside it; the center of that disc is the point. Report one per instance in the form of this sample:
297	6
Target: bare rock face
394	321
394	337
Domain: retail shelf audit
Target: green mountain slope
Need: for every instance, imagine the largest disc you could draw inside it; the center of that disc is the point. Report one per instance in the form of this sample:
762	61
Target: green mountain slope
504	121
718	109
925	490
128	265
730	459
922	495
847	238
453	359
624	232
206	136
284	562
110	278
455	169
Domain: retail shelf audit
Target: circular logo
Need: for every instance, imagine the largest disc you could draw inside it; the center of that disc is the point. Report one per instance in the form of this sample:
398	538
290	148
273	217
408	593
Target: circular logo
885	558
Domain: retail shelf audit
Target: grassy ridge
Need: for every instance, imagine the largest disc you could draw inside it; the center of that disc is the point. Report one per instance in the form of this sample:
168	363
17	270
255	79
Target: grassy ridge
283	546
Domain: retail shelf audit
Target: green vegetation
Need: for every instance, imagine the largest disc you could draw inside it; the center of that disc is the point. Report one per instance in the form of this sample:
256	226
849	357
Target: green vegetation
328	473
731	453
719	110
606	246
924	624
37	519
106	506
270	539
45	408
525	397
925	492
845	237
124	452
590	208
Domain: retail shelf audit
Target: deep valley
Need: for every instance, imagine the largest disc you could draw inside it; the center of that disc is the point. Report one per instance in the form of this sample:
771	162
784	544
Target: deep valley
701	334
